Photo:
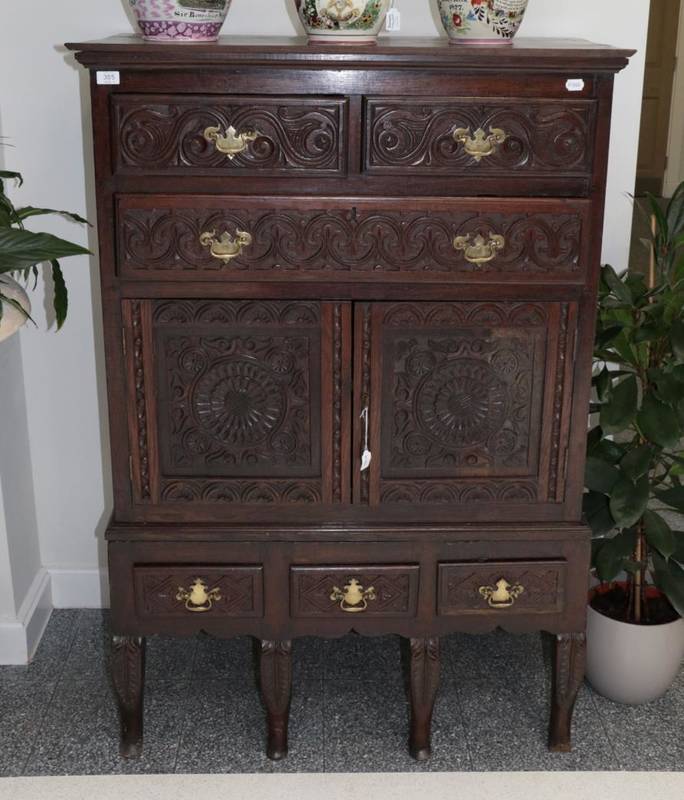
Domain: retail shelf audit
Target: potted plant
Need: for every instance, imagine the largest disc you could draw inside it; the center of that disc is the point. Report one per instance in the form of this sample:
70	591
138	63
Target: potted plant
635	472
21	251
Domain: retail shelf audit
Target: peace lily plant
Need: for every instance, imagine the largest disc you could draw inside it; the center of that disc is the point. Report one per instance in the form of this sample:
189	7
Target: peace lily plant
635	469
21	253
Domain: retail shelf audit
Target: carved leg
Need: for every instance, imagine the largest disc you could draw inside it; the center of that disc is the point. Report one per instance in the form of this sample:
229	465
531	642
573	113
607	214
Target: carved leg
128	678
276	685
424	685
568	674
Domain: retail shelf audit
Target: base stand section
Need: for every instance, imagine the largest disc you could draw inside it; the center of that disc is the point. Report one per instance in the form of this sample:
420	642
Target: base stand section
275	674
424	683
568	674
128	677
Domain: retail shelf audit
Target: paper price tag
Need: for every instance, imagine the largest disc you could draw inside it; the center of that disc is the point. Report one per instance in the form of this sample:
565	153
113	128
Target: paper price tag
108	78
393	23
366	458
575	85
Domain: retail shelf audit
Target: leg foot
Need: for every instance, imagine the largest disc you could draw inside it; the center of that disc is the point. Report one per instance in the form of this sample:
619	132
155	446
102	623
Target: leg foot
128	678
275	664
424	684
568	673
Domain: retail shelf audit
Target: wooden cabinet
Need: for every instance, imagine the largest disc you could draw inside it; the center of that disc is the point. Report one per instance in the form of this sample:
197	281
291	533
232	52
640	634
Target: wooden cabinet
349	299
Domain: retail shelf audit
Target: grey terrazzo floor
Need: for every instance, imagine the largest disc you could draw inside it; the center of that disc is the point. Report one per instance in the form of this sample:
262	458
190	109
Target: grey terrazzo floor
349	710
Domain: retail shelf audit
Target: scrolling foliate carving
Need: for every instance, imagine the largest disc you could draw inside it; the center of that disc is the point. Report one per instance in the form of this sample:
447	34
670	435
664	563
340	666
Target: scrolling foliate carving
435	492
349	241
255	492
540	138
140	400
245	313
294	136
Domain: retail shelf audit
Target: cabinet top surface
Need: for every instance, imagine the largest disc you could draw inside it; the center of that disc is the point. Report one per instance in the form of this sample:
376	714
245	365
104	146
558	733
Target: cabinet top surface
540	53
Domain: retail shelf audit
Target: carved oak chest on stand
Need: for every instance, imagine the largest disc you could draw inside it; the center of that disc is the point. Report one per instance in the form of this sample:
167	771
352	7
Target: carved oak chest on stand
349	300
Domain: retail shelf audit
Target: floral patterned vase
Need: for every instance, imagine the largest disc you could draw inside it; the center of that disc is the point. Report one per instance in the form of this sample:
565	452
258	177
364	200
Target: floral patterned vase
357	21
180	20
482	21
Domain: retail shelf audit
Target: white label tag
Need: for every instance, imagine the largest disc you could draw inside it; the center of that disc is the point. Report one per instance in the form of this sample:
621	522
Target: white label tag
574	85
393	23
108	78
366	460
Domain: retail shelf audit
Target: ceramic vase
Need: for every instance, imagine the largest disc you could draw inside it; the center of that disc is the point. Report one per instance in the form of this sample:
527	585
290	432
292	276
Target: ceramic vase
354	21
481	21
180	20
632	664
12	318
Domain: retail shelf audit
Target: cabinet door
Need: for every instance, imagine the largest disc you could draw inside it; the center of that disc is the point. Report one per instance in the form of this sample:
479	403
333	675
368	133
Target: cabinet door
236	403
469	406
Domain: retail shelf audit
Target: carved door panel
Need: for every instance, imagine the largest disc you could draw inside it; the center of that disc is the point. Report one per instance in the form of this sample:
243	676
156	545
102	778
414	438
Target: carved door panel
236	403
469	405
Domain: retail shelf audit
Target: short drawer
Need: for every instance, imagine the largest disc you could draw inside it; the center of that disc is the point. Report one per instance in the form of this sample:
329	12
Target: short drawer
198	591
426	239
205	135
479	136
365	591
515	587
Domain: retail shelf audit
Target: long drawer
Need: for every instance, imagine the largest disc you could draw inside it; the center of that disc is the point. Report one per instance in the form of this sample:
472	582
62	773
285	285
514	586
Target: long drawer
208	238
224	135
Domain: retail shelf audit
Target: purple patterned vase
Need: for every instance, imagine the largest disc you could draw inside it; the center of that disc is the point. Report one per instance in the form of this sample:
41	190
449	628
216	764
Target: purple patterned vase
180	20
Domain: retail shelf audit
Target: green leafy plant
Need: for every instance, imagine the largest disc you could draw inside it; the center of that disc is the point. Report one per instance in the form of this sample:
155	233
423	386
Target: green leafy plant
635	455
22	250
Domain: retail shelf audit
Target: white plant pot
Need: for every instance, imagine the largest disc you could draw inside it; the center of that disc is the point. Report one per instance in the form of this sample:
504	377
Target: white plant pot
12	319
632	664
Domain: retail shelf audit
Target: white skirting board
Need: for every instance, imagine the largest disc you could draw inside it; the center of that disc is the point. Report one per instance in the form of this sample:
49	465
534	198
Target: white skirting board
79	588
19	638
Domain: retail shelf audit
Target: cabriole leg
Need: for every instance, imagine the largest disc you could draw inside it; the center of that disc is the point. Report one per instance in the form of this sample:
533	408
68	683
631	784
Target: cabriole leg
568	673
424	684
128	678
275	674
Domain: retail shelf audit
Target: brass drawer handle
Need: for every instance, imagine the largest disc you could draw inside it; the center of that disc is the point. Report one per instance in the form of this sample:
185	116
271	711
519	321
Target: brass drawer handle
231	143
354	599
480	145
227	247
198	599
480	250
503	595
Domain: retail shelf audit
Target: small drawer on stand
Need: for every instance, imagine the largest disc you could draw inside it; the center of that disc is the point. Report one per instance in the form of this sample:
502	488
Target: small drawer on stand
387	591
216	591
517	587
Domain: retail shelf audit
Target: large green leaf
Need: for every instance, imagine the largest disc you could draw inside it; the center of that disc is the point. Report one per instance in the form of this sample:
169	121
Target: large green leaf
637	462
617	286
659	422
629	500
5	175
659	534
610	558
669	577
597	511
19	249
619	412
61	296
673	497
29	211
600	476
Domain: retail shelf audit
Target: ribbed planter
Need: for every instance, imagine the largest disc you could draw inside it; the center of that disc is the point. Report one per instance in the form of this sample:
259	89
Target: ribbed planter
12	318
632	664
180	20
481	21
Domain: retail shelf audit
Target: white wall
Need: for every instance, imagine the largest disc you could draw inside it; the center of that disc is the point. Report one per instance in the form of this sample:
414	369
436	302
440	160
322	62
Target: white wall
41	110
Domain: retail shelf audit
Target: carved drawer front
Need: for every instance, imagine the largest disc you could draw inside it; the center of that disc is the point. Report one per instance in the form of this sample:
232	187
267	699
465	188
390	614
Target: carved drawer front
479	136
199	591
372	591
469	405
517	587
205	135
275	239
235	402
